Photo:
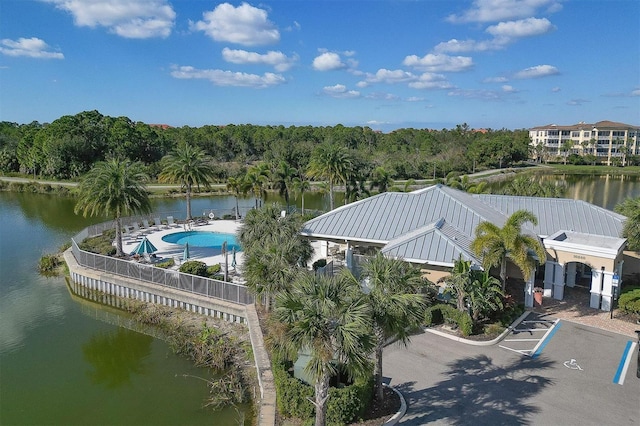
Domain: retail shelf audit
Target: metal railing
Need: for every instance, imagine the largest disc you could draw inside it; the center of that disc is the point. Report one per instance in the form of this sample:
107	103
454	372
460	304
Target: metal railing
231	292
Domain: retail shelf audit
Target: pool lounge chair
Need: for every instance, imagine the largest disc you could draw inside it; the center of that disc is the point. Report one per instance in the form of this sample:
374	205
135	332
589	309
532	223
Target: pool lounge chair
146	226
172	223
157	223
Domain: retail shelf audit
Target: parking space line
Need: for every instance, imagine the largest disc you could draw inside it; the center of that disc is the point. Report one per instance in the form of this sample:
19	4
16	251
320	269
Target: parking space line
521	340
627	354
545	339
520	351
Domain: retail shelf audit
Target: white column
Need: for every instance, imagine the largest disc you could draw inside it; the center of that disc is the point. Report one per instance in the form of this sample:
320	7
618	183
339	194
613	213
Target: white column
607	290
549	273
596	288
528	291
571	274
558	282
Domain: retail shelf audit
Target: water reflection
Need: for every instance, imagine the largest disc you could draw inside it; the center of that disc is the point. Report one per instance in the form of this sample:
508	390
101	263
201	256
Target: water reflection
116	356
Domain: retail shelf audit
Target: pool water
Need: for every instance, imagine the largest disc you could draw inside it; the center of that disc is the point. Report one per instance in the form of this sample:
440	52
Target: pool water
202	239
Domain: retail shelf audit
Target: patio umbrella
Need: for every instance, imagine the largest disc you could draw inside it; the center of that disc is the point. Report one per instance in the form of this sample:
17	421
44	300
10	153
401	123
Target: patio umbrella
145	247
233	258
185	254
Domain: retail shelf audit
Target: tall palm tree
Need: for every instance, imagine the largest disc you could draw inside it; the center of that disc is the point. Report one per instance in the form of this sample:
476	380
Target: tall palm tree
238	186
333	163
391	291
327	317
257	177
381	179
484	295
283	180
114	188
631	230
187	165
273	250
495	245
301	186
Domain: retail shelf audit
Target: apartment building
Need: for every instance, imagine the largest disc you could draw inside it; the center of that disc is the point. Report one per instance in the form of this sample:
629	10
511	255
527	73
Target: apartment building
609	141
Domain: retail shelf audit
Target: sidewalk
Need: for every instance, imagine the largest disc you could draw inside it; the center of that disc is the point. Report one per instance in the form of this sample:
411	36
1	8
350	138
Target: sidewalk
575	308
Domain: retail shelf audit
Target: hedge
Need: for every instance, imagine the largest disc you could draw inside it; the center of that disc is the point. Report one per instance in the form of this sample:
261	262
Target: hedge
345	405
440	313
629	301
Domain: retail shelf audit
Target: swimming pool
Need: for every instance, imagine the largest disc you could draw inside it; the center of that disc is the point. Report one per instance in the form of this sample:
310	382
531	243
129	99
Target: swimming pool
202	239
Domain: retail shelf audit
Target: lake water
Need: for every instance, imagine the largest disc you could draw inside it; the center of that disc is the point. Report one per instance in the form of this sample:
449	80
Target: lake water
61	365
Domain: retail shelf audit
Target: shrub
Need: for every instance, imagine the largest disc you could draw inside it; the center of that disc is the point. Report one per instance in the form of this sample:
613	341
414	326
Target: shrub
194	267
446	313
166	264
345	405
494	329
320	263
214	270
629	301
48	263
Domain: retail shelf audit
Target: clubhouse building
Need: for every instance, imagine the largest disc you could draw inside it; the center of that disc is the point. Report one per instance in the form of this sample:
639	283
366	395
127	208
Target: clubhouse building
433	226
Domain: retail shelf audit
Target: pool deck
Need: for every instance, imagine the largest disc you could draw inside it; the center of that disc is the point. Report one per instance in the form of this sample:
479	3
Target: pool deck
174	251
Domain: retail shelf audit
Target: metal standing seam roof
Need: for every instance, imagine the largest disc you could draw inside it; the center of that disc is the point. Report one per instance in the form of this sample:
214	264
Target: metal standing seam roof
556	214
437	224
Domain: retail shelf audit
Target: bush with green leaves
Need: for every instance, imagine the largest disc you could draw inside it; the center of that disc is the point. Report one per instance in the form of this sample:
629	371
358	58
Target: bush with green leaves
214	270
194	267
345	405
629	300
446	313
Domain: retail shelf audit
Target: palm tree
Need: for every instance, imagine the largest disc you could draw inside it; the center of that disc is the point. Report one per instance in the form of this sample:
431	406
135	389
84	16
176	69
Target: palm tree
283	180
256	178
631	230
333	163
495	245
273	250
238	186
459	282
300	186
114	188
392	294
381	179
484	295
188	165
327	317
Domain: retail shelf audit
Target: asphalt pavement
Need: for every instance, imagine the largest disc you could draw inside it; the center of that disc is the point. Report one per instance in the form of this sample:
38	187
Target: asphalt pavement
575	375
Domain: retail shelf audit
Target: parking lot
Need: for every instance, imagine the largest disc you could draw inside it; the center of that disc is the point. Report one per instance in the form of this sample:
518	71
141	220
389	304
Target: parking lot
568	374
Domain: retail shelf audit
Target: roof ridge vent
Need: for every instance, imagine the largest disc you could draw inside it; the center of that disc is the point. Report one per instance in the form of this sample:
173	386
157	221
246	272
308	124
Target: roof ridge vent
439	223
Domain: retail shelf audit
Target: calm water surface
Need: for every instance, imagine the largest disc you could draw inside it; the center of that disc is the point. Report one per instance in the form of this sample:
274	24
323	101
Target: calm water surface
59	365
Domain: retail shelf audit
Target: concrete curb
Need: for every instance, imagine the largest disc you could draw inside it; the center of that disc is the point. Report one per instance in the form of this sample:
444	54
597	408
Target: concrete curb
483	342
403	408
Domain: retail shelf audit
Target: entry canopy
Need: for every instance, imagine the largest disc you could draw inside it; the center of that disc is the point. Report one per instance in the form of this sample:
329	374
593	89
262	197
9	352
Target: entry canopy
590	245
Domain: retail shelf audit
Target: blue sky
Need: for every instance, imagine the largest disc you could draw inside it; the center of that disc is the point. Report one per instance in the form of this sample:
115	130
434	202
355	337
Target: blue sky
383	64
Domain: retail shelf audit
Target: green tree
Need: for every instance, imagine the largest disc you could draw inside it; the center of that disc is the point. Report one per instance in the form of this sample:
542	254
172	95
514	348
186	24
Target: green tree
381	179
283	180
327	317
459	282
483	295
333	163
188	165
237	186
273	250
631	231
114	188
495	245
301	186
256	178
392	292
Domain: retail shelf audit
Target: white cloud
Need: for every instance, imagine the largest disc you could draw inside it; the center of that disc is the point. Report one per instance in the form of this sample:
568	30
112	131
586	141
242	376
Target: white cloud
500	10
31	47
430	81
556	89
126	18
276	59
489	95
522	28
328	61
460	46
414	99
228	78
383	96
389	76
495	80
439	63
340	91
245	25
537	71
508	88
577	102
635	92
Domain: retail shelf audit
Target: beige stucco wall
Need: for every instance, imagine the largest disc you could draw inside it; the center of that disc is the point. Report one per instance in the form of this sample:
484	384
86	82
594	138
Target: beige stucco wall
595	262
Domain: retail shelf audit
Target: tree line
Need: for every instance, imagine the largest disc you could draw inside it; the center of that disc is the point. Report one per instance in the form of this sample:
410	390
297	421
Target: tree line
68	147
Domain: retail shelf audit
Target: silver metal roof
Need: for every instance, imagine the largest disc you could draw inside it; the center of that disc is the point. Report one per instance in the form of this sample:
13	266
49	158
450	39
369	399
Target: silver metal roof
437	224
556	214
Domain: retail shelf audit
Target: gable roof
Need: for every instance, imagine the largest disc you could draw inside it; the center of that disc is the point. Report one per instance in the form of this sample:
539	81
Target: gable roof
437	224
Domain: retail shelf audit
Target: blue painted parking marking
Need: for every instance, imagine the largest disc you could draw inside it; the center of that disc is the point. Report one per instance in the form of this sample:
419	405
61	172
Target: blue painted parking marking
624	363
547	337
